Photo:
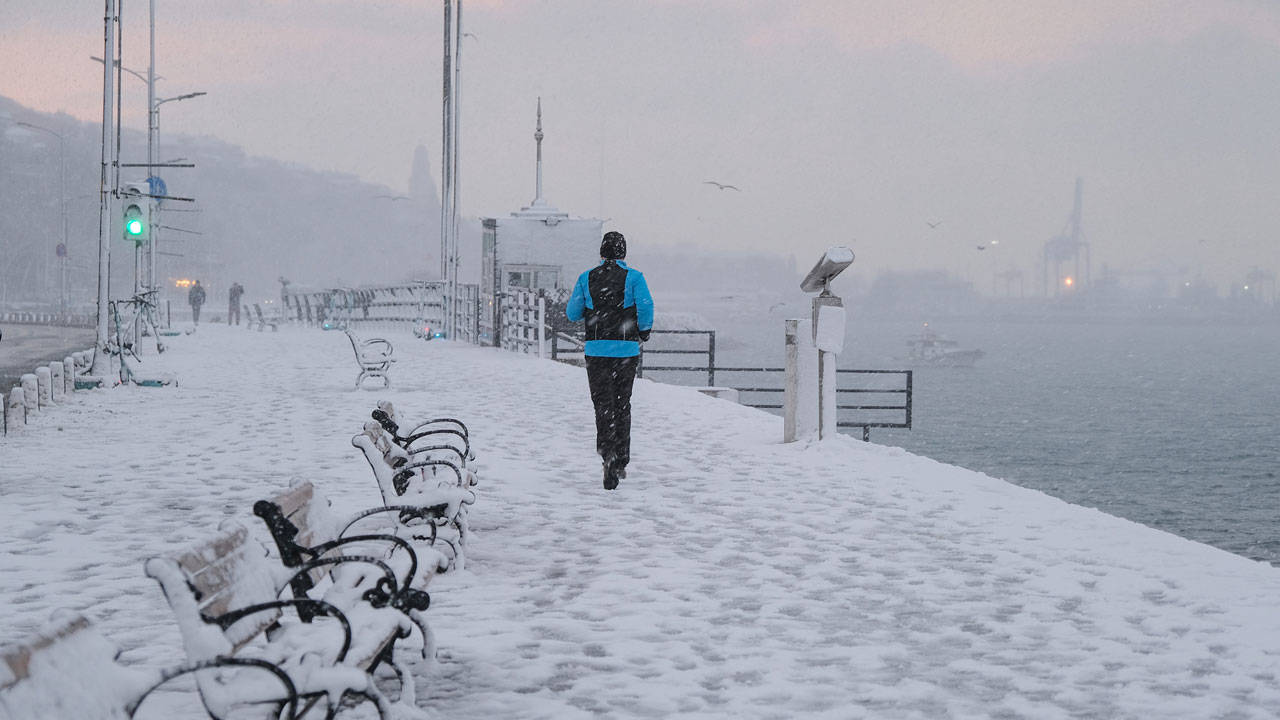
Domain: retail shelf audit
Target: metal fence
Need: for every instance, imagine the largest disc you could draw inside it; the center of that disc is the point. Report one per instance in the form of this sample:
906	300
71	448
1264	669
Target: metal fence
881	398
421	306
567	347
866	398
524	327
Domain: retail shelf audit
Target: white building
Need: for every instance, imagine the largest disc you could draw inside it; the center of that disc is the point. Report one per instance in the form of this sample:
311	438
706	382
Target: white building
537	247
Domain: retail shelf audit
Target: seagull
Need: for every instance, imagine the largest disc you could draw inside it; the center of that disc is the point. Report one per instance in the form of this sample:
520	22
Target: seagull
722	186
472	36
392	197
982	247
932	225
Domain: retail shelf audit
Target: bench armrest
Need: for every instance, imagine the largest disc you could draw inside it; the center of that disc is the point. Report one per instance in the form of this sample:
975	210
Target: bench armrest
322	548
316	607
407	512
290	698
405	473
433	421
462	458
408	440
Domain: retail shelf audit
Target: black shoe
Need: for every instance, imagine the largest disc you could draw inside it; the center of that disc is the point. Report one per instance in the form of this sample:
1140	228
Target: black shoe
610	477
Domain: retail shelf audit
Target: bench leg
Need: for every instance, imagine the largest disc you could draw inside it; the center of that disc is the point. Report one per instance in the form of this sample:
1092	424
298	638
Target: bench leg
464	532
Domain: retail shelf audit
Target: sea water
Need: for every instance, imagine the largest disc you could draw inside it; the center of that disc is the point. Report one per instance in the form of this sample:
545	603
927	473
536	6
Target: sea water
1170	425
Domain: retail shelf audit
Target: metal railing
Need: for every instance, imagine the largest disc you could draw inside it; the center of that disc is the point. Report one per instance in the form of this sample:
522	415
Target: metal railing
710	352
406	304
567	347
523	321
877	407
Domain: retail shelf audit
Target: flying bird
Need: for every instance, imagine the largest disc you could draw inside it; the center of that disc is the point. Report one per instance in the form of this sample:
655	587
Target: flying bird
982	247
722	186
471	35
392	197
932	225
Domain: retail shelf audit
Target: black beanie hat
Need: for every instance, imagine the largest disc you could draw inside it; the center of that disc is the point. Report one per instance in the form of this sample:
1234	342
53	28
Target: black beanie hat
613	246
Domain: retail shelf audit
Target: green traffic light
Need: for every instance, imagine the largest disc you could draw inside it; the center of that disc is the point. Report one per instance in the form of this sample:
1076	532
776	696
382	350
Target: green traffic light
133	227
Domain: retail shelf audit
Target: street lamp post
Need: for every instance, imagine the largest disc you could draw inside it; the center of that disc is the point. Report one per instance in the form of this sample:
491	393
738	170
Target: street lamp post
153	151
62	199
106	205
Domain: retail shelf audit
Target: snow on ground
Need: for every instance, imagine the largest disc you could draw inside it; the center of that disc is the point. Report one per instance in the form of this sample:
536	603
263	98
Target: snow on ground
729	576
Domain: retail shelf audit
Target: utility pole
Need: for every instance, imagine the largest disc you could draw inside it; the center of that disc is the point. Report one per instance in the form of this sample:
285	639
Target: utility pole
449	168
453	198
106	204
153	219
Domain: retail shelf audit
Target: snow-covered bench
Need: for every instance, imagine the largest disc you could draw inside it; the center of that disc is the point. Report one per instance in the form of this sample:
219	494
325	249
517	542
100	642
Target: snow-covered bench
261	320
69	670
306	531
374	356
438	429
225	596
400	479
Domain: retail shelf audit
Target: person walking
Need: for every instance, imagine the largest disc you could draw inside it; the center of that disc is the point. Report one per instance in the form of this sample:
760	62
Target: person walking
233	302
195	296
614	301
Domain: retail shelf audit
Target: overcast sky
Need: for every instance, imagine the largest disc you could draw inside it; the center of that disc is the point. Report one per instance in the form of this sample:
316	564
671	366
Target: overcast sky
843	122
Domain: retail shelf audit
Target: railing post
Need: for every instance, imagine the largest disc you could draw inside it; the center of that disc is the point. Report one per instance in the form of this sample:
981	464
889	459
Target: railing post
711	358
908	399
542	326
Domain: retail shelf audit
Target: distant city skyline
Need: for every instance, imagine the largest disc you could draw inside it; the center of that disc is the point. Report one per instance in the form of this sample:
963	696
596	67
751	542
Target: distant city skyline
856	123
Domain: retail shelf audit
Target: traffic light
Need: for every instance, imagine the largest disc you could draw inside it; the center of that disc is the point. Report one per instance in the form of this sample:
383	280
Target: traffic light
136	228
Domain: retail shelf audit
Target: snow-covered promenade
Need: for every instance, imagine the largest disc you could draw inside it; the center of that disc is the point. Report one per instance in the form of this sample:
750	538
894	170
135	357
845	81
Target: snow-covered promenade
729	576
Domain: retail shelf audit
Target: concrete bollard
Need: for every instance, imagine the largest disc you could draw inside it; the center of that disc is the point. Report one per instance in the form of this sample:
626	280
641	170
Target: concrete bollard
31	393
59	386
15	411
44	383
69	373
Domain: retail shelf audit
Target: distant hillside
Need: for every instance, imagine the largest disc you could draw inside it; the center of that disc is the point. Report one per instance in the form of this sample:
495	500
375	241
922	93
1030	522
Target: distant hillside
260	218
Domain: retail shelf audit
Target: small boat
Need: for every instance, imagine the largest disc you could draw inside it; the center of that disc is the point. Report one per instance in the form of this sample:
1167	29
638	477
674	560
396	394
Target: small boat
931	349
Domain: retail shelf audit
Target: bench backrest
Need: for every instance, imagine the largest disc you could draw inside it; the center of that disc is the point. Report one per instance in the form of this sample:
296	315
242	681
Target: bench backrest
208	579
308	512
68	670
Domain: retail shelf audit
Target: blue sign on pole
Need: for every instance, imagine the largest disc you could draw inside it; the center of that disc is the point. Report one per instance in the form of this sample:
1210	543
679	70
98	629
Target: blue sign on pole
157	187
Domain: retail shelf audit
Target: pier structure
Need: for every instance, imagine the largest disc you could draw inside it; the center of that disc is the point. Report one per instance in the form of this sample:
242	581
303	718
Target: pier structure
538	247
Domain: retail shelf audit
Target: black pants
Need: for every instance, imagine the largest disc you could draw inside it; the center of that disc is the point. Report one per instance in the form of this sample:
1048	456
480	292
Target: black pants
195	314
233	310
611	379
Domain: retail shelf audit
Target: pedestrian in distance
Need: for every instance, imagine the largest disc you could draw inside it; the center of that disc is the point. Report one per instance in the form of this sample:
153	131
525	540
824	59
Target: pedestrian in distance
615	303
233	302
195	296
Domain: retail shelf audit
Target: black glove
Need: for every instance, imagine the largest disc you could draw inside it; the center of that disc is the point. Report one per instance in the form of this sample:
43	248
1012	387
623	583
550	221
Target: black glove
644	336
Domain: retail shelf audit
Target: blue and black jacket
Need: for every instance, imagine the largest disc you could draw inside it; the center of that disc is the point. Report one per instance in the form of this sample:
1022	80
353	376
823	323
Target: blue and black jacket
614	301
